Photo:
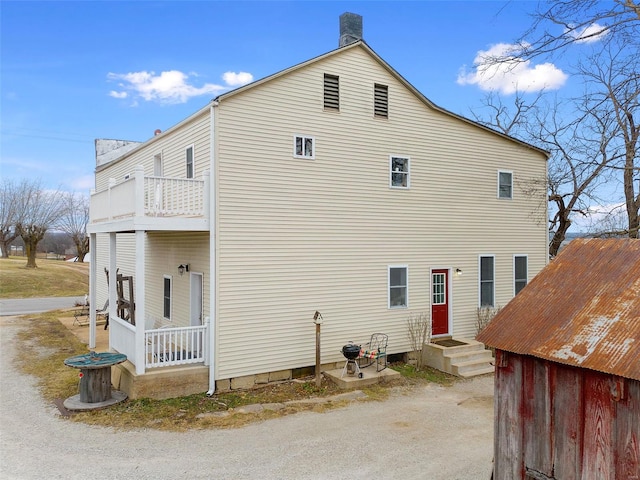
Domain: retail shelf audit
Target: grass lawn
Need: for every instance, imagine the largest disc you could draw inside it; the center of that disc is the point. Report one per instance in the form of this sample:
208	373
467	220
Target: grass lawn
52	278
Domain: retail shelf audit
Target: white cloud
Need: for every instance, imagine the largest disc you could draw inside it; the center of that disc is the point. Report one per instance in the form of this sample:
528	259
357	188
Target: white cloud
167	87
234	79
115	94
510	74
599	218
589	34
83	183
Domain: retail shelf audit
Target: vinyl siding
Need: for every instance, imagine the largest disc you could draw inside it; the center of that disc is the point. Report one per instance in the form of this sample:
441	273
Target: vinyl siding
298	235
165	251
172	147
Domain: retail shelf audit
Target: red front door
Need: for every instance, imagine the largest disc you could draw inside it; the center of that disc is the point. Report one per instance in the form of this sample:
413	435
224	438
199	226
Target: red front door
440	302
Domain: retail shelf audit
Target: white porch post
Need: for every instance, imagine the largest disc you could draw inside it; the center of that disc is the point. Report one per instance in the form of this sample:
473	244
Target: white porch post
113	280
139	303
92	290
139	191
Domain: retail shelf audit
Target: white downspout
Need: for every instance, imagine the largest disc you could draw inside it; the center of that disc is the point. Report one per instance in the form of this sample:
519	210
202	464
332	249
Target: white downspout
213	250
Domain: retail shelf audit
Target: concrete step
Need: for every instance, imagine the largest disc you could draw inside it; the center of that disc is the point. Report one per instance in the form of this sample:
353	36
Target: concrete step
369	377
470	346
479	371
466	360
466	368
483	355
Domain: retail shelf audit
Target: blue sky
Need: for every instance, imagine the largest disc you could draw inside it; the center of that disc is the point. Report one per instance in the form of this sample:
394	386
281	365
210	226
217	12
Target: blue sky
72	72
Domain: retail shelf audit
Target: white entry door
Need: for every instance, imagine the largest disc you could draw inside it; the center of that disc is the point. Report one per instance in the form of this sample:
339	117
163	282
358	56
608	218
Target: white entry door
196	299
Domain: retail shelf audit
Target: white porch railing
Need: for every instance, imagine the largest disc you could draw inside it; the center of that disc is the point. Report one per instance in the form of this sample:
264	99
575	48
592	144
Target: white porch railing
150	196
173	196
117	201
122	337
175	346
164	347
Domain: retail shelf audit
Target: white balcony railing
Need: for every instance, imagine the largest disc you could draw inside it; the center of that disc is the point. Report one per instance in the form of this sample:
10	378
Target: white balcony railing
166	197
148	196
175	346
117	201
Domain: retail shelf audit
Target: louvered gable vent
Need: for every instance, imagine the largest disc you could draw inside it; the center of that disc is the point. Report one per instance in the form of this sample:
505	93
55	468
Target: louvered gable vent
381	100
331	92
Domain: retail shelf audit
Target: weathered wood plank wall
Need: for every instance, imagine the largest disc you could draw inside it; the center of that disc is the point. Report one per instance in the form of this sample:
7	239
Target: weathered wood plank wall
507	424
627	435
569	406
559	422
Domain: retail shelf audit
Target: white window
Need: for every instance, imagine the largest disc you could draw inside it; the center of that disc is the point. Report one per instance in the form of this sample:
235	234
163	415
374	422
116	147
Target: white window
166	301
519	273
398	172
487	280
505	184
398	286
304	147
438	289
189	158
157	165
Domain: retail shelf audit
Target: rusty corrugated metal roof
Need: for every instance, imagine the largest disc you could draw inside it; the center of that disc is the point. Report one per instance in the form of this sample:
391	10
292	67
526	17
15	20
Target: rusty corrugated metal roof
583	309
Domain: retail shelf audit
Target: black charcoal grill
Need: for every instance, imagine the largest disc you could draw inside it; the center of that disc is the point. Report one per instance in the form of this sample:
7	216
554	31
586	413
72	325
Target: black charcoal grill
351	352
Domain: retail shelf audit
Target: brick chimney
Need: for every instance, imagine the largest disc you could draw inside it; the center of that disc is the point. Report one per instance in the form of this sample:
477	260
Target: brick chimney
350	28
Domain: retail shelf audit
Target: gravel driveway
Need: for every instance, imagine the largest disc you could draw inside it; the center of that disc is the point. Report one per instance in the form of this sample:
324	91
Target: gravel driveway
432	433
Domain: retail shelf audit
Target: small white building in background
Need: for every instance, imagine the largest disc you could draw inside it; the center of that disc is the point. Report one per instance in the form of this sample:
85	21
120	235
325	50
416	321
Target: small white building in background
331	186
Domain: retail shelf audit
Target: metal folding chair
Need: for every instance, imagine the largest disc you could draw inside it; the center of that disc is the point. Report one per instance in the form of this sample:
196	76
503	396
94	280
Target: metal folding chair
375	352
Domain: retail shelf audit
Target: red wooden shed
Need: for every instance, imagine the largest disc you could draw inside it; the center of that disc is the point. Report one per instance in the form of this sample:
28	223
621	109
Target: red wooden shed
567	380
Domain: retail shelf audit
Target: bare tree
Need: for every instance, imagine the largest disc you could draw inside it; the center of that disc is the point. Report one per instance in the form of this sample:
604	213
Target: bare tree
10	193
606	122
419	333
614	78
560	24
41	209
74	222
579	146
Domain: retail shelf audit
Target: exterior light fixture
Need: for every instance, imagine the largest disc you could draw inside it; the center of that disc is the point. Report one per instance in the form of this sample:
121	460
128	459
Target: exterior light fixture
183	268
458	272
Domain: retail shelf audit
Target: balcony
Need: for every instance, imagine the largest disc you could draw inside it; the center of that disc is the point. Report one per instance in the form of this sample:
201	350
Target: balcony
151	203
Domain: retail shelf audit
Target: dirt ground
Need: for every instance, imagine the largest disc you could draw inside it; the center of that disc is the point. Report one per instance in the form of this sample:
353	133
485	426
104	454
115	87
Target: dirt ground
81	330
434	432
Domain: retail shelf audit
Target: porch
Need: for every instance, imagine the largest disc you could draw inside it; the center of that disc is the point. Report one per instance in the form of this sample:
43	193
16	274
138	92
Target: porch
161	347
142	202
176	378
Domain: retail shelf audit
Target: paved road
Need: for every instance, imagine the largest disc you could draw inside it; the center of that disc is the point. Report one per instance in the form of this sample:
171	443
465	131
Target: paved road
24	306
434	433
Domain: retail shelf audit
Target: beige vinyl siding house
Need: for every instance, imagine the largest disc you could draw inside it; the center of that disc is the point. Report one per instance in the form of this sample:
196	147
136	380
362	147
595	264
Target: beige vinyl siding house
305	214
298	235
